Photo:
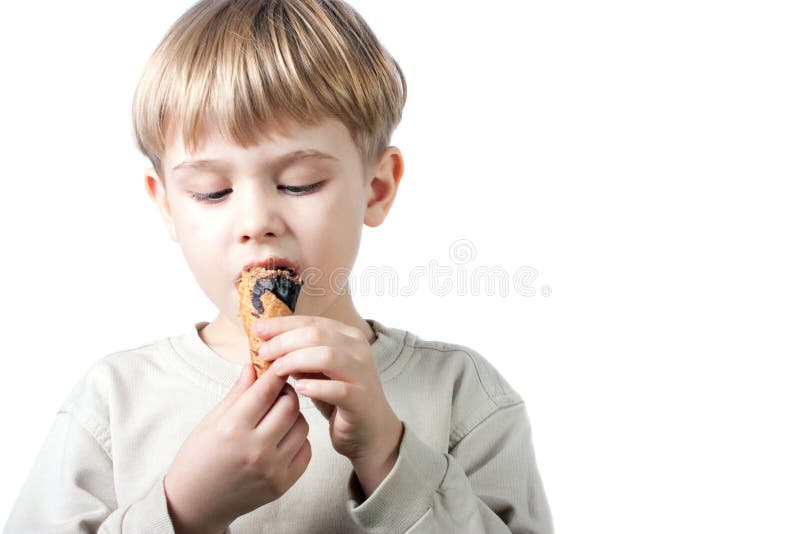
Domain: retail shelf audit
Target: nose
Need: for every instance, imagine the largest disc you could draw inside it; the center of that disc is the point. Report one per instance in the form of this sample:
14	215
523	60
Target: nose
258	214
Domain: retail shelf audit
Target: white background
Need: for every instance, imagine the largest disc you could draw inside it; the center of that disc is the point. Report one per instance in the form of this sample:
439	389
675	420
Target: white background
641	156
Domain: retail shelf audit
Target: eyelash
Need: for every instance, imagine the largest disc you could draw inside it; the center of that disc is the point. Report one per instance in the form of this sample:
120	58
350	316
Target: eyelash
293	190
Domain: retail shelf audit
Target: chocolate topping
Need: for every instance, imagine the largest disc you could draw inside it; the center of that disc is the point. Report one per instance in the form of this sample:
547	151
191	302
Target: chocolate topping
281	285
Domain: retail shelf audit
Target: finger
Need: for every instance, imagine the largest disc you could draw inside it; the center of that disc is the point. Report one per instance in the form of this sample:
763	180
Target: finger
302	337
300	462
325	360
324	408
278	421
293	439
246	378
300	376
337	393
251	406
270	327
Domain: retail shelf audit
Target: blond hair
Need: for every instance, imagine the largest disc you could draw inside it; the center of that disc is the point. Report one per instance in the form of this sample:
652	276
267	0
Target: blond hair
241	66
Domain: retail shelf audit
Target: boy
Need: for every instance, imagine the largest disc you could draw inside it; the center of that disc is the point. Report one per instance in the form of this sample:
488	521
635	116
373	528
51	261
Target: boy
267	123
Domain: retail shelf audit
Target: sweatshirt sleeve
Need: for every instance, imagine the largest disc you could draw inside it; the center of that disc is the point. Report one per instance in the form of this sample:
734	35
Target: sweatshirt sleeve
487	483
71	488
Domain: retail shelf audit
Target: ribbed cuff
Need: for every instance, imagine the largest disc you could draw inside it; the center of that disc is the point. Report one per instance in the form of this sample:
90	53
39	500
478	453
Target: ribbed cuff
405	494
150	514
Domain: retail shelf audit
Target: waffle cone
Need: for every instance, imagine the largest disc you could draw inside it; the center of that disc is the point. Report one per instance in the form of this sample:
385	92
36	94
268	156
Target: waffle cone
271	304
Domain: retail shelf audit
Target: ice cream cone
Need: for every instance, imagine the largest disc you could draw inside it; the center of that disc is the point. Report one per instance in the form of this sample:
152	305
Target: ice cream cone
265	293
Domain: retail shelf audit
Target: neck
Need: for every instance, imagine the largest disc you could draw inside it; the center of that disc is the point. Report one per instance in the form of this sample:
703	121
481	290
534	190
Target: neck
229	341
343	310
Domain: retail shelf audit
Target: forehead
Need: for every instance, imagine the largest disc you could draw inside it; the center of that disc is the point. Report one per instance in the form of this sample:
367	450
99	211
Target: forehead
327	142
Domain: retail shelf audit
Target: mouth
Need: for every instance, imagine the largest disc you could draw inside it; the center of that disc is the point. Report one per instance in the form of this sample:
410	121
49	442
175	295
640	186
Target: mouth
274	263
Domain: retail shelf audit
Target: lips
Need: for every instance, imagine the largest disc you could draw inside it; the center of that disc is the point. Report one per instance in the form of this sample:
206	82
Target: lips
274	263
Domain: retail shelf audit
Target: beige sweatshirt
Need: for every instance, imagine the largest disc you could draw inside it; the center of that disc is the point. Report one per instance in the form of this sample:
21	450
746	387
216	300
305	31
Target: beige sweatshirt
466	461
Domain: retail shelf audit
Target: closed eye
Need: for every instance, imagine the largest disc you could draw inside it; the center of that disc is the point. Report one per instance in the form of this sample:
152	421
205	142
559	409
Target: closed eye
292	190
300	189
211	198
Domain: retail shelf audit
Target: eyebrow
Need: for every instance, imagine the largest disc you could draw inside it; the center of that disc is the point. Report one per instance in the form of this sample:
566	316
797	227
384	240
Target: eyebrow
279	163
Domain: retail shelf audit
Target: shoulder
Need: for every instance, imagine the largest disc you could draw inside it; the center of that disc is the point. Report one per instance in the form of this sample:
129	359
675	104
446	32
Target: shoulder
109	375
471	368
475	389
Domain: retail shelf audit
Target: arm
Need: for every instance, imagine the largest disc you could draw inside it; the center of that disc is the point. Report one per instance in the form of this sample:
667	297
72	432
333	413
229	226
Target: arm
487	483
71	488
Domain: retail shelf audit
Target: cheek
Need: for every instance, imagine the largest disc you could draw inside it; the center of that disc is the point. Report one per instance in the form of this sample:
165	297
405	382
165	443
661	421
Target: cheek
200	241
334	232
197	224
199	236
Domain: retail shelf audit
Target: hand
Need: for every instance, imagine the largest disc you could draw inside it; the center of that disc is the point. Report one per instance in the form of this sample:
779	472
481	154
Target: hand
334	366
248	451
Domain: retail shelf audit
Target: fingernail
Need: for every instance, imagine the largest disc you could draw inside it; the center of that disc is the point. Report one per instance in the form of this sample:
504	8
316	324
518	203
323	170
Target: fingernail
263	351
277	365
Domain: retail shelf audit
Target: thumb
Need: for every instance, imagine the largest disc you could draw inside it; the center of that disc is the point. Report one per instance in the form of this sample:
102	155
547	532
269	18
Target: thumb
245	380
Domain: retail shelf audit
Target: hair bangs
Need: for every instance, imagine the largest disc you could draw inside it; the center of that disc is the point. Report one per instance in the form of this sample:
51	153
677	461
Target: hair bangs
242	68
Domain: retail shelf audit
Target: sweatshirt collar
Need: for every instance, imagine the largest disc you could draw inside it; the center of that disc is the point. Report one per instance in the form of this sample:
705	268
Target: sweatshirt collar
202	359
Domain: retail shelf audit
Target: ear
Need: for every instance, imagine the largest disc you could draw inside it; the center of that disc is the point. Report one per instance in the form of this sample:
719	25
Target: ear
383	183
158	194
